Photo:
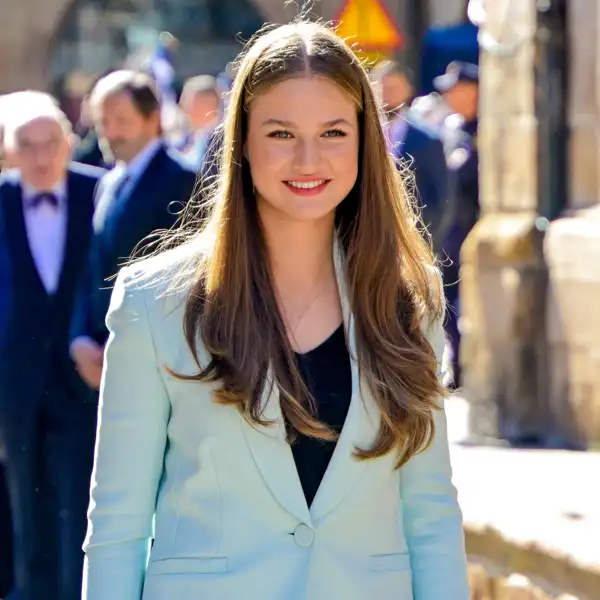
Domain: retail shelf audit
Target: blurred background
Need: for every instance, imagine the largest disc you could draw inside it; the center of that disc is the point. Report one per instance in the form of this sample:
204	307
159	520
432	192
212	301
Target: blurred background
510	88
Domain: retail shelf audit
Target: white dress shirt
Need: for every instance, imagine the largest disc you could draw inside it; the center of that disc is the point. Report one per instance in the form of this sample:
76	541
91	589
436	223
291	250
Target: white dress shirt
46	233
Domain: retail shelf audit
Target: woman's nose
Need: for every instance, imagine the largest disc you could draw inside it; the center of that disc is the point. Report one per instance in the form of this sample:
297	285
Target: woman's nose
307	156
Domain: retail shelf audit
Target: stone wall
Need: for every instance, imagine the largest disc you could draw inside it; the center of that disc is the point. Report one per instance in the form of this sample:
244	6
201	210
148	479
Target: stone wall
502	271
489	584
28	27
573	246
530	296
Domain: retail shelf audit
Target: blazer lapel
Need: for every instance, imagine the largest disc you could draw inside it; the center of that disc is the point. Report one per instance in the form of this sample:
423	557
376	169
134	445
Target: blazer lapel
273	455
75	235
274	458
362	421
18	242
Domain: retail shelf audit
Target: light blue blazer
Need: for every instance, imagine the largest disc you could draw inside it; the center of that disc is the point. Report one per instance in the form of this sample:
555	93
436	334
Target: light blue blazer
222	499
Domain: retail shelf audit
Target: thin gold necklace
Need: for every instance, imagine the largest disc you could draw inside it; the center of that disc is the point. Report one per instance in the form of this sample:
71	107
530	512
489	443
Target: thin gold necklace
312	298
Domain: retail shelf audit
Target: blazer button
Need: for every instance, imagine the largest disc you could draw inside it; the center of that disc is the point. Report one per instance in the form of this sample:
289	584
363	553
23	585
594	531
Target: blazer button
304	536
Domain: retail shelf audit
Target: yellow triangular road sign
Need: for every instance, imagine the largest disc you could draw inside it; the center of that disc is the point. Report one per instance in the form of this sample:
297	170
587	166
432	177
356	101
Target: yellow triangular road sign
367	25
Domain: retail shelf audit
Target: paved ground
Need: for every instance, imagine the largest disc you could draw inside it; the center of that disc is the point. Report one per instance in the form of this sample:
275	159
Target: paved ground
550	498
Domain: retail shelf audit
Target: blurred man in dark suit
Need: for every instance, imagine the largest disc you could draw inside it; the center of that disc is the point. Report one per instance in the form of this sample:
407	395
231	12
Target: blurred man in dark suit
201	104
144	192
47	422
87	149
6	533
459	87
415	142
6	544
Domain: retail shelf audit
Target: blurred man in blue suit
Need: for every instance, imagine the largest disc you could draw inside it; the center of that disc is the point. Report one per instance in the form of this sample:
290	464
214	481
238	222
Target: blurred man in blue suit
459	87
201	104
145	192
416	143
47	422
6	549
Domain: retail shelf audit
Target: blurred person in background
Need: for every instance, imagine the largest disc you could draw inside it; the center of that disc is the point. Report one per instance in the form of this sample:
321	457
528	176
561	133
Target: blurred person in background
201	104
3	117
10	104
459	87
394	84
162	70
6	557
47	422
431	110
6	533
446	44
144	192
209	170
87	150
417	144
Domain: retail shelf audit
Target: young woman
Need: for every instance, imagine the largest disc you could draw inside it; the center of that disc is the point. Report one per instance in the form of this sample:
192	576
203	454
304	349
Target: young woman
270	407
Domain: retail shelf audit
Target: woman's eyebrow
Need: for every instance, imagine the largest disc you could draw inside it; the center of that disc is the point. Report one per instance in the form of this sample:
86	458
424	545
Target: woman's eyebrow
283	123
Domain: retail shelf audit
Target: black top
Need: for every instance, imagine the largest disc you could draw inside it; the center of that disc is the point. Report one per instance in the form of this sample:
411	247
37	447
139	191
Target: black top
327	373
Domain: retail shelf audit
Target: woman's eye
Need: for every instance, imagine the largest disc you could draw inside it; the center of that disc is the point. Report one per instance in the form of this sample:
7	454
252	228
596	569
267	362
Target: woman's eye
282	135
334	133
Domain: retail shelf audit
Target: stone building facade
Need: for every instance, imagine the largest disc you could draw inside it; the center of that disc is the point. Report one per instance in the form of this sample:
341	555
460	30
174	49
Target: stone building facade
33	33
531	274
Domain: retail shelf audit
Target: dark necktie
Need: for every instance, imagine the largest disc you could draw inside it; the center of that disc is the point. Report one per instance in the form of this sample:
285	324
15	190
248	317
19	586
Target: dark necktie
120	187
44	198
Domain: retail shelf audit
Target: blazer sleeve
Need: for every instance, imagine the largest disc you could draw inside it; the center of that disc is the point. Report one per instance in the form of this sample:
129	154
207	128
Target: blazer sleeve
130	445
432	517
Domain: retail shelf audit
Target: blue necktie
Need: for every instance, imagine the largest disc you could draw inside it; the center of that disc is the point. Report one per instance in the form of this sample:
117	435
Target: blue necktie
120	187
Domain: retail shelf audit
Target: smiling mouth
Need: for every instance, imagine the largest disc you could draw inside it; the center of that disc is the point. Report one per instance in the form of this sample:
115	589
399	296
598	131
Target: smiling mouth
307	188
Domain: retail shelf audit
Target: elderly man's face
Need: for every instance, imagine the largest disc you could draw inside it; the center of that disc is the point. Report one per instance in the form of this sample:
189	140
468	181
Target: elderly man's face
42	151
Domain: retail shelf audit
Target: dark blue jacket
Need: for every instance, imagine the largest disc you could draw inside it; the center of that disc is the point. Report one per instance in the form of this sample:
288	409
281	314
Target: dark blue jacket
463	198
422	150
34	327
119	227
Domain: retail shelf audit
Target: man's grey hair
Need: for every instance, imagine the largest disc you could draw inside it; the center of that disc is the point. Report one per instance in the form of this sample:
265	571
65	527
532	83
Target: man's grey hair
22	108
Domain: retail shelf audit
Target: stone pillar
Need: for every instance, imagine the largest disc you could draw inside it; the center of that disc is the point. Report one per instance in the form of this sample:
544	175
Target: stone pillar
573	248
503	275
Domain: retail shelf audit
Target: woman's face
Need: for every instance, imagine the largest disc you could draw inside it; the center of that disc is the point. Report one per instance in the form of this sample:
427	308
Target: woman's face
302	146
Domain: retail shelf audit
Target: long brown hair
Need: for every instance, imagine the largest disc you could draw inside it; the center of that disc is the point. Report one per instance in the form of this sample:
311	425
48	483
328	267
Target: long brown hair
231	305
